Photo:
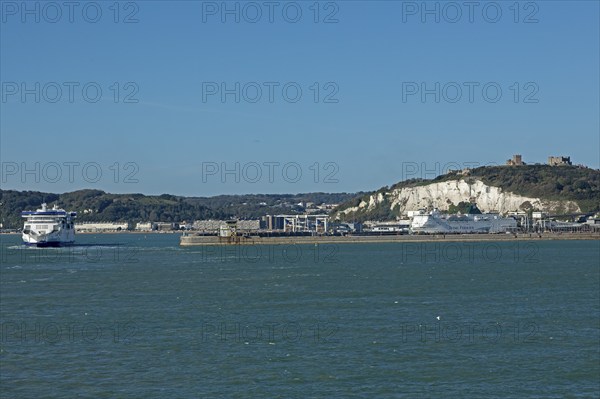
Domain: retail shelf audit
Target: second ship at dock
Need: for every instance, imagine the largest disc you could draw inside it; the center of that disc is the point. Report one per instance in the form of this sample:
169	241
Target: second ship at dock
471	222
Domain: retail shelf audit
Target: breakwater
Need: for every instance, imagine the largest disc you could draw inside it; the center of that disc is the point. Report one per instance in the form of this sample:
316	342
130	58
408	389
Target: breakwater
208	240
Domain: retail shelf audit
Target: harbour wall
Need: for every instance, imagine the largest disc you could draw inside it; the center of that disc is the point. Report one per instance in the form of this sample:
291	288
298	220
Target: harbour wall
197	240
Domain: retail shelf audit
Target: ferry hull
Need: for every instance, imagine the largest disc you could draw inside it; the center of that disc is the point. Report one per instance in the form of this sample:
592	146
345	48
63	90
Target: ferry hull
51	244
55	240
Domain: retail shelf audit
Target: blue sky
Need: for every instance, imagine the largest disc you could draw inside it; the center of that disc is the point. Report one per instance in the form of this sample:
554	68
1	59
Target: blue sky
366	128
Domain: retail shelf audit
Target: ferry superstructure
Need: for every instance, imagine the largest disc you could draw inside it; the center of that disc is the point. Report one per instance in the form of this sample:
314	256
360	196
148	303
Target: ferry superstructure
436	222
48	227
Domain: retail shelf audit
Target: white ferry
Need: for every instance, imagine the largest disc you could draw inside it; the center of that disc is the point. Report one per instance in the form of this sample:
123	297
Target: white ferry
49	227
472	222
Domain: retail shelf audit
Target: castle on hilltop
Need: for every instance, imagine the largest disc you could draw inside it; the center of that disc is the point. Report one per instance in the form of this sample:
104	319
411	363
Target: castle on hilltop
559	161
517	160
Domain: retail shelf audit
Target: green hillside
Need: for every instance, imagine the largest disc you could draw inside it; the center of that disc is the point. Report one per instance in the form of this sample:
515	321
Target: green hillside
96	205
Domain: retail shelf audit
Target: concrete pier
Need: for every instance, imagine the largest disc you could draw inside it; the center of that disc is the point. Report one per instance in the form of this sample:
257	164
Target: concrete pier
203	240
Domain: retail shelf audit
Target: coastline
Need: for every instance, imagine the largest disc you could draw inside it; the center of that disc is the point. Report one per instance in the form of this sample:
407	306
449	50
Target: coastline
197	240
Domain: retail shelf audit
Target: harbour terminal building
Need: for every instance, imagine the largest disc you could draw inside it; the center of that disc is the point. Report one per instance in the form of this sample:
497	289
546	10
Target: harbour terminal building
317	224
100	227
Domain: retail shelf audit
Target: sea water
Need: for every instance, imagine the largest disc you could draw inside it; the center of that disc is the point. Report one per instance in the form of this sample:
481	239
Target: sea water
137	316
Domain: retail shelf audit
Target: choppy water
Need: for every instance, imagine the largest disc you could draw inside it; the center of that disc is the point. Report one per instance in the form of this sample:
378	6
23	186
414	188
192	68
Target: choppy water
132	316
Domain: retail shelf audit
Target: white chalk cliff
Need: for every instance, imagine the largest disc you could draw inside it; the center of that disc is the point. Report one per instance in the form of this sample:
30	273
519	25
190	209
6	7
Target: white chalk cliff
442	195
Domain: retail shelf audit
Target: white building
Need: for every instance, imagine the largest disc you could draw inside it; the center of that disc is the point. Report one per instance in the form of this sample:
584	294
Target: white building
412	214
392	227
145	226
100	226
